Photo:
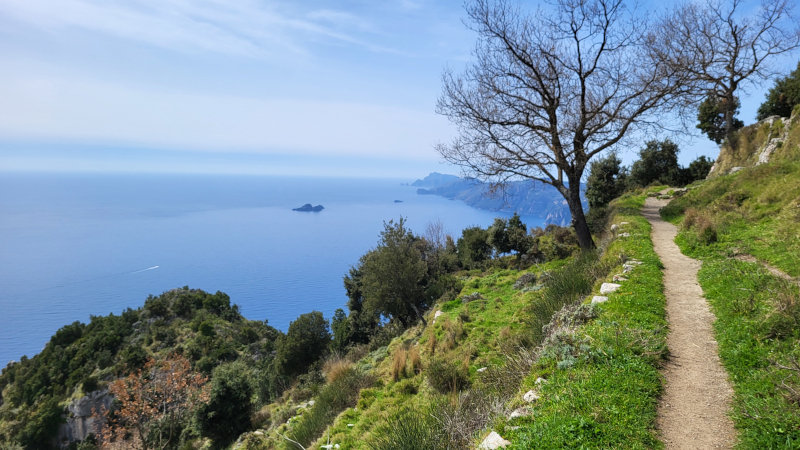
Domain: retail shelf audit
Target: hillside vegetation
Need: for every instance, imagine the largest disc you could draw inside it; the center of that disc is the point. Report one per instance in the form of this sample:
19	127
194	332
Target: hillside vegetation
741	225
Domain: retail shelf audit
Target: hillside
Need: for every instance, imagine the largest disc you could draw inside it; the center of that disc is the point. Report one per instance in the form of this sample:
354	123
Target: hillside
523	197
535	350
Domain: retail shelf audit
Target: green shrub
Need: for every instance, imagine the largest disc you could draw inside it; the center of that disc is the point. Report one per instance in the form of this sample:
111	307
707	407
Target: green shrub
562	287
331	399
409	430
226	415
447	376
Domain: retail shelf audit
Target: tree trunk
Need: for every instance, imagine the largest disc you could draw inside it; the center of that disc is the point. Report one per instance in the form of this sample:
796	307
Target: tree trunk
421	317
573	198
730	110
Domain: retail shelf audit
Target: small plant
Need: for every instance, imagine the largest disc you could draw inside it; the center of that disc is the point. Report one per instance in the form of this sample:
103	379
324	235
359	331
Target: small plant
415	360
399	364
447	376
525	280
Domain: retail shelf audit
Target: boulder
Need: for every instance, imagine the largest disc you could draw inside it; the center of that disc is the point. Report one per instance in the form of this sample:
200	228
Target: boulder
519	412
614	228
540	380
493	441
436	315
530	396
471	297
599	299
607	288
619	277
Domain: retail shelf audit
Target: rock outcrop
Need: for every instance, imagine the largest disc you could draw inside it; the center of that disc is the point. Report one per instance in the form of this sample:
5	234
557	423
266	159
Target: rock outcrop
80	422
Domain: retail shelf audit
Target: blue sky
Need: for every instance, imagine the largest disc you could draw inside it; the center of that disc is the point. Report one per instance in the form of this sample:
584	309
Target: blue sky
234	86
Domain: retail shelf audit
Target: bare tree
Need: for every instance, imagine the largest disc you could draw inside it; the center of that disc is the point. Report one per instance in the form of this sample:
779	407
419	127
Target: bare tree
723	49
550	90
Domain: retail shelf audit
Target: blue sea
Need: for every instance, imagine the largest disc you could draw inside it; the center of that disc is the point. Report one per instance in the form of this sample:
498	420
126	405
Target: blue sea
77	245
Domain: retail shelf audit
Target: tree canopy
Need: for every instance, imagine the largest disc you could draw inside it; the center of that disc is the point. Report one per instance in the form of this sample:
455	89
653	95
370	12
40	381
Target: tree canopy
550	90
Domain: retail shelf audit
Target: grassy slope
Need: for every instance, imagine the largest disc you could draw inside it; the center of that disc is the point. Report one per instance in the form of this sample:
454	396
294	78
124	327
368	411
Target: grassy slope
607	399
755	211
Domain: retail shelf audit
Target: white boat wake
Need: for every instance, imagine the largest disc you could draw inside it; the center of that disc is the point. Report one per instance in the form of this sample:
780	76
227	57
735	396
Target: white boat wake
145	270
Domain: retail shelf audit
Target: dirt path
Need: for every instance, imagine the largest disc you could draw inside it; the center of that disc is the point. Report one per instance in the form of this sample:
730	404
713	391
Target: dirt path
692	413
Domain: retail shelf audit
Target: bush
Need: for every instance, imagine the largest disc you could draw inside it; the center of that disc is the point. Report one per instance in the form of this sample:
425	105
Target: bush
782	97
304	343
563	287
447	376
156	306
525	280
410	430
89	384
226	415
658	162
332	399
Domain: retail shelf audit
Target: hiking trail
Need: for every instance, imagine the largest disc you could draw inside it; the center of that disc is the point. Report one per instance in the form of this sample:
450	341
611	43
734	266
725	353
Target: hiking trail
693	410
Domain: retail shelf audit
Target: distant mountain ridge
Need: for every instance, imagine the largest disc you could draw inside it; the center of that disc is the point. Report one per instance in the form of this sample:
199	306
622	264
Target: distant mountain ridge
523	197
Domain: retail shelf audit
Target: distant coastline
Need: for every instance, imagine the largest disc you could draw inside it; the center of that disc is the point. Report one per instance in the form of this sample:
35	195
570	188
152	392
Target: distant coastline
523	197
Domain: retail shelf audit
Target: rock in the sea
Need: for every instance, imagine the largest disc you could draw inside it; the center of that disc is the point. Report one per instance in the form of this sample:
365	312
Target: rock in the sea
599	299
607	288
308	208
493	441
530	396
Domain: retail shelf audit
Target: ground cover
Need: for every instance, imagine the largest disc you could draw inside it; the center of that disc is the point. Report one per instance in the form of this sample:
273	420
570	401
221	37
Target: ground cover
608	398
754	212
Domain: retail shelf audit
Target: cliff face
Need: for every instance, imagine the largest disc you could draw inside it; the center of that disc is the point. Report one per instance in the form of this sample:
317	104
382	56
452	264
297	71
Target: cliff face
753	145
80	421
523	197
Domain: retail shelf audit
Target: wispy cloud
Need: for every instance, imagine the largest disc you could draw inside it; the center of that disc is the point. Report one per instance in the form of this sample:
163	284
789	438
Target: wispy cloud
238	27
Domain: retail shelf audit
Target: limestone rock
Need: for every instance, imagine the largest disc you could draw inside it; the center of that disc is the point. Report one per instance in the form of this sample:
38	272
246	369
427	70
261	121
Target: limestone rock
614	228
623	223
607	288
540	380
436	315
619	277
530	396
482	369
80	422
493	441
599	299
519	412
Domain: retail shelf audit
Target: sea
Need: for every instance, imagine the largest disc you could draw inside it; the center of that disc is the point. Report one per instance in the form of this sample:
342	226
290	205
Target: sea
74	246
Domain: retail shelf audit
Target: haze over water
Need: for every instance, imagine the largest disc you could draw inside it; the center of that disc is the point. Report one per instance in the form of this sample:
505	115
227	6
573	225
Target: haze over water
75	245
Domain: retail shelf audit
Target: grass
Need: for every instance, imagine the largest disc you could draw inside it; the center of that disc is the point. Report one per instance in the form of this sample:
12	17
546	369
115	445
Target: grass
755	211
608	398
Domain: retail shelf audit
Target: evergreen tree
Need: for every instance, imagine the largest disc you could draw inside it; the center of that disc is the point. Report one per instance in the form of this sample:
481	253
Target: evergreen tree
711	117
394	275
782	97
607	180
658	161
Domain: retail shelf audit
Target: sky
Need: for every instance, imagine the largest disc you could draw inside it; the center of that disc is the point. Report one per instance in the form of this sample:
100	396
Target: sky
318	87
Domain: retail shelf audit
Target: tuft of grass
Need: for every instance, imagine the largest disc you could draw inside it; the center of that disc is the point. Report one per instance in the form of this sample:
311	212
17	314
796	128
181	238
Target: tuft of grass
399	364
336	367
